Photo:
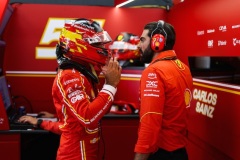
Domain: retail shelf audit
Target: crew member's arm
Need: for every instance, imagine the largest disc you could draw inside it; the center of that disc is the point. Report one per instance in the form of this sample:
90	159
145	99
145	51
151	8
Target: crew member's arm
44	124
151	109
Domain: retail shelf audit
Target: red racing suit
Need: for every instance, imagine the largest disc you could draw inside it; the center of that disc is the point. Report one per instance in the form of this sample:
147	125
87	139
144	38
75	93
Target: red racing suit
79	113
165	95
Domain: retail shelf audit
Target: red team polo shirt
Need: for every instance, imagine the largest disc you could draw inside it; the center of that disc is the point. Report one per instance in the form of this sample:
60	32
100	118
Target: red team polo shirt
165	95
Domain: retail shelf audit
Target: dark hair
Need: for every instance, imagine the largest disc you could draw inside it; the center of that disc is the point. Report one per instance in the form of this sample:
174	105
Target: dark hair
167	30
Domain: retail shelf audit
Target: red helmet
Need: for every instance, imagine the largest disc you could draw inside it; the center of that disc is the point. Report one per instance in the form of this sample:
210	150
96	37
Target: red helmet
83	40
125	46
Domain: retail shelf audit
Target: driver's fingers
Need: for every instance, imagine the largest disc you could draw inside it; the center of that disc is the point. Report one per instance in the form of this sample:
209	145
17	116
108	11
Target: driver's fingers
114	63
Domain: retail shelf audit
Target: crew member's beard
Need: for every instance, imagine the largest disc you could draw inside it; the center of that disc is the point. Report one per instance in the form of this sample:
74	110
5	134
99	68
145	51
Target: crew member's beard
147	55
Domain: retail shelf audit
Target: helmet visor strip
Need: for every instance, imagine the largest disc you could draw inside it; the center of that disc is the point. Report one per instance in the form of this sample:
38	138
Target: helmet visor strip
122	45
99	38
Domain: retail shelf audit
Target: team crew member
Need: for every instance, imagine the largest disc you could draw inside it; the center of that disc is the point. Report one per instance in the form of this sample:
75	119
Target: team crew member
79	106
165	94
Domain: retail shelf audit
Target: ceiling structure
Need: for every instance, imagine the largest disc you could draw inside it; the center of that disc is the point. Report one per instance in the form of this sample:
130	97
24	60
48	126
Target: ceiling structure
110	3
147	3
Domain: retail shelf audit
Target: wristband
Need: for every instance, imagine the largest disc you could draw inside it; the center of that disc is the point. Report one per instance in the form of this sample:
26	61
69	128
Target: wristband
39	122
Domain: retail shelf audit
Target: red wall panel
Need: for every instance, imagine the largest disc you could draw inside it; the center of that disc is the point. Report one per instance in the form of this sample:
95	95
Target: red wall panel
206	28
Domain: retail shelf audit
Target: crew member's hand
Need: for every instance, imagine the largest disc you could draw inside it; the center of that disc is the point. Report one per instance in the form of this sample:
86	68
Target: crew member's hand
45	114
28	119
112	72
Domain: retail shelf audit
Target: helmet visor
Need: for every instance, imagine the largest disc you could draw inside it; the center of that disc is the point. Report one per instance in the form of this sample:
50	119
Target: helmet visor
122	45
99	38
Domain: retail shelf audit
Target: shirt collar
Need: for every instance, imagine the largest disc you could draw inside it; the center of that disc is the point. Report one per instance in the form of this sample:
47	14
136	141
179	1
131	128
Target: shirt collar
165	55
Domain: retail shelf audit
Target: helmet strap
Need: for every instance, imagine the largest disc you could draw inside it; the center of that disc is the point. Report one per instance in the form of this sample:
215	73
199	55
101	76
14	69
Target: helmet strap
93	70
67	64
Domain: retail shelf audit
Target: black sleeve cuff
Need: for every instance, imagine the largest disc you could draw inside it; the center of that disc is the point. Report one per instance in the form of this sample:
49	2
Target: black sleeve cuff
39	122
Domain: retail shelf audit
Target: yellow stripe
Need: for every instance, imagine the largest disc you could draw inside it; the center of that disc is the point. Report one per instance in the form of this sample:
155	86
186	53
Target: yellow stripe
149	113
132	79
82	145
91	131
217	88
84	151
65	118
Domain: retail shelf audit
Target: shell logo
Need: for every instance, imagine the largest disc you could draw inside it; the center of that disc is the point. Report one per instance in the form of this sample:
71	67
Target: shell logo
187	97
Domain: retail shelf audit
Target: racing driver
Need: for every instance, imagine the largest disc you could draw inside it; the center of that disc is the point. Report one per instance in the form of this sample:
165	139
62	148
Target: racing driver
81	55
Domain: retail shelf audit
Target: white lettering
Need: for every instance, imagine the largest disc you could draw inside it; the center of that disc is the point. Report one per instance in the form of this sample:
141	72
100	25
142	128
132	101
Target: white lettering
77	92
204	96
223	28
210	43
70	81
152	75
211	31
76	98
204	109
205	102
147	90
236	41
236	26
222	43
200	33
151	84
151	95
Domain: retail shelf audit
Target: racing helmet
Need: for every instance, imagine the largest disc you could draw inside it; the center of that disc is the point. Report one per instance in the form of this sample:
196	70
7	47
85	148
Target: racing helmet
125	46
83	40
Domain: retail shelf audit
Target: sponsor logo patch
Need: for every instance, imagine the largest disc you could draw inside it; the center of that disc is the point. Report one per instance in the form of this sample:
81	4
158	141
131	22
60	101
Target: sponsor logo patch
151	84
